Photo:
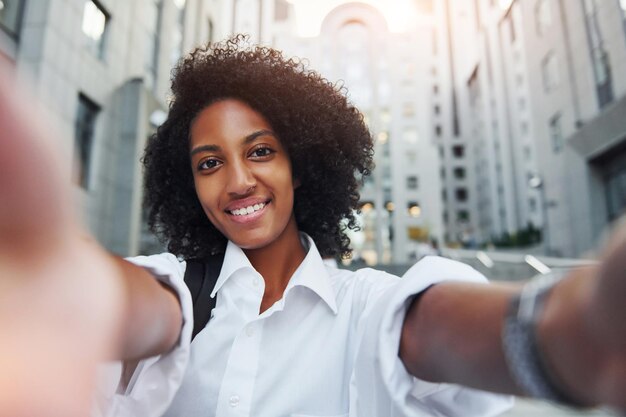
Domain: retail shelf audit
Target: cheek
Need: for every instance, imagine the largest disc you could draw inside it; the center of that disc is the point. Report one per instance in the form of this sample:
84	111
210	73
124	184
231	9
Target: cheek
207	197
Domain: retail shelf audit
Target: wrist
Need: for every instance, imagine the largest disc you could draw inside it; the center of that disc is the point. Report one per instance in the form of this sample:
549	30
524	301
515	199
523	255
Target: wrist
524	343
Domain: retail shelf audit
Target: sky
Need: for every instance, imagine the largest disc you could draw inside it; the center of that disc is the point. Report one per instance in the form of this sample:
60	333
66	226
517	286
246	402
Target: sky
311	13
398	13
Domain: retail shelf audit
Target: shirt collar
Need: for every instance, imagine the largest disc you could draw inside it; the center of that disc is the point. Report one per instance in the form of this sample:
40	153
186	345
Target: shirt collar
234	260
311	273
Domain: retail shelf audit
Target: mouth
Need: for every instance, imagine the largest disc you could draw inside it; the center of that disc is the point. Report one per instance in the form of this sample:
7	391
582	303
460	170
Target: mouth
248	213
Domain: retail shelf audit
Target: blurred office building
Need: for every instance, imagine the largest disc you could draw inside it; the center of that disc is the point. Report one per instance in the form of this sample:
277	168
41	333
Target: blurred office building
492	118
389	76
541	87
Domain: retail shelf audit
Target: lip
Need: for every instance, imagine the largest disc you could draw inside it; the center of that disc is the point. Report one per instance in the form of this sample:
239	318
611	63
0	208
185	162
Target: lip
250	201
247	218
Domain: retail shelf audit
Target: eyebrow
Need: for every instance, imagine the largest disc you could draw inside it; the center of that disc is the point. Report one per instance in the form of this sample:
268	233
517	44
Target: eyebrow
246	140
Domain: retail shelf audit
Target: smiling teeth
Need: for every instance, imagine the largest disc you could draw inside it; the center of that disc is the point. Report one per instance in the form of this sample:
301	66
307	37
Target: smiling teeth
248	210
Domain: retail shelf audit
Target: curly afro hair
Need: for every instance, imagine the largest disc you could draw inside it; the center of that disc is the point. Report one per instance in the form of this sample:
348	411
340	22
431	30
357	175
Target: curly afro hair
328	143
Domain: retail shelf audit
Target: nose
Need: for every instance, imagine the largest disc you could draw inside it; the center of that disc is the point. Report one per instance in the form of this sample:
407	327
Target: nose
241	179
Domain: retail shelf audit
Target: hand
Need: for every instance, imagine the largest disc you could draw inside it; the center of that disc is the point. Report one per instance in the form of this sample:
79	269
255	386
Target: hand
60	309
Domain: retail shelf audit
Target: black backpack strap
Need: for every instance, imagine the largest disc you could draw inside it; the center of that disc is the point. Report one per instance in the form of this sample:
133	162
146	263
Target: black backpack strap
201	276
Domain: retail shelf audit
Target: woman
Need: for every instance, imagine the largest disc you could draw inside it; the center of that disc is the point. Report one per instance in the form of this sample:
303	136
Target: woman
258	160
262	154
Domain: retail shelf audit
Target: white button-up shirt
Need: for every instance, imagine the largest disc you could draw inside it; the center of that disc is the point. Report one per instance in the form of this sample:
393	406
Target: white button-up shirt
328	347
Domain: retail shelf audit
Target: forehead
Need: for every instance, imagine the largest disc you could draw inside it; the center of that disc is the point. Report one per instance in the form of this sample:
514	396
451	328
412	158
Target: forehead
228	119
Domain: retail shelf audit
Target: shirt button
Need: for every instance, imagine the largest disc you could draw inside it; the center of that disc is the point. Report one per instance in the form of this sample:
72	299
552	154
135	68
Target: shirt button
250	331
233	401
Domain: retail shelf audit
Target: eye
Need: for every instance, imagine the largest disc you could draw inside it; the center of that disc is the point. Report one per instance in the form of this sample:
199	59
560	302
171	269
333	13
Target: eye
209	164
262	152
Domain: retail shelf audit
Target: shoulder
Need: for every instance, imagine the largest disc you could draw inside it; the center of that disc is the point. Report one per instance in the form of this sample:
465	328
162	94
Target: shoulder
434	269
361	286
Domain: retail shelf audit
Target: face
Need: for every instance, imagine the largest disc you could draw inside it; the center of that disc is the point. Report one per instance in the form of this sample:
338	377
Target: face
242	174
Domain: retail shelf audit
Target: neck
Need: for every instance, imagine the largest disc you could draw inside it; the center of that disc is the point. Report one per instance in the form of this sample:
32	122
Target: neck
277	262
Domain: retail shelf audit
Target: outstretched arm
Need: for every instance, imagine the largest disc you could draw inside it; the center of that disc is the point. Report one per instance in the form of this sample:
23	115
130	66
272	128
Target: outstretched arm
453	333
65	303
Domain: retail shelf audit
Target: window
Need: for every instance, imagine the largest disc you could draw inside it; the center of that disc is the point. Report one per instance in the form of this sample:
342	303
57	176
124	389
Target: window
411	156
408	110
435	89
385	118
438	130
437	109
154	14
543	16
459	173
209	37
410	135
281	10
86	115
550	72
524	128
599	56
556	134
411	182
602	70
527	152
461	194
95	24
532	204
177	32
462	216
11	16
458	151
612	166
414	209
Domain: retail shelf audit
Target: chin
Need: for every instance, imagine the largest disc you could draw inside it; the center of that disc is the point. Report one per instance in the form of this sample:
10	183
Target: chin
251	243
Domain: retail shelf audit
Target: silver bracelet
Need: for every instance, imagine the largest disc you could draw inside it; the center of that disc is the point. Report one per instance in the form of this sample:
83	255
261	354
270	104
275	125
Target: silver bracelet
524	360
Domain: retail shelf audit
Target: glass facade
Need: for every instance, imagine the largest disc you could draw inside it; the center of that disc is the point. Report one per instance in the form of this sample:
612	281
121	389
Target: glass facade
599	56
94	26
86	115
614	173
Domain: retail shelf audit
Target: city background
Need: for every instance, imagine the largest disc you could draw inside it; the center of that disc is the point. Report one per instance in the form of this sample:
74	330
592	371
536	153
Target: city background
499	125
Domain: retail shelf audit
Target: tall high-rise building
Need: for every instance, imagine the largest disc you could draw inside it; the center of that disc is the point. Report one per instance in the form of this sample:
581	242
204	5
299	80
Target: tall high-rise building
543	87
389	77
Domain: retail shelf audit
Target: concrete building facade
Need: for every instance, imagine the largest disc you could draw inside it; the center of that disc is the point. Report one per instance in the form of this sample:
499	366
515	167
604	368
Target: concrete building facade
543	94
